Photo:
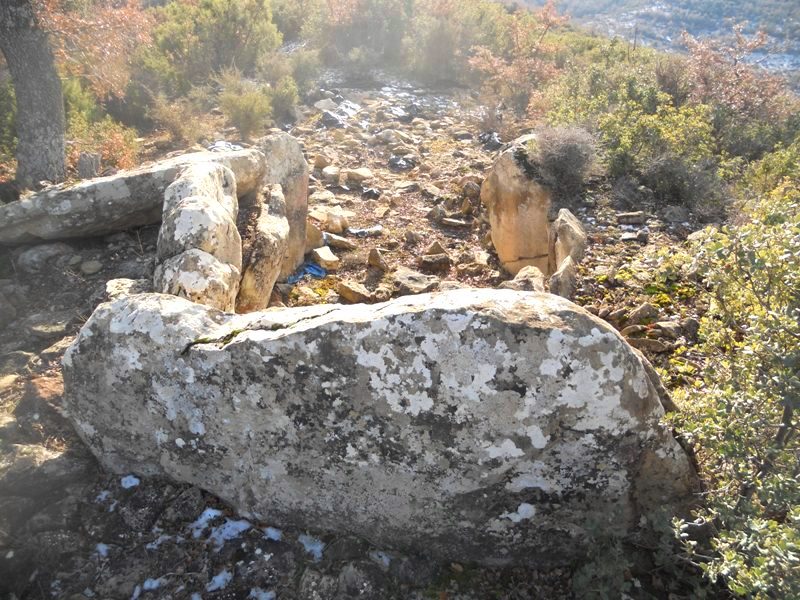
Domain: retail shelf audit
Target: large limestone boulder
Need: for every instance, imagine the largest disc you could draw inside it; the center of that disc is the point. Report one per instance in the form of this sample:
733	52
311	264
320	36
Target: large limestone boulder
492	426
266	237
287	167
116	203
518	205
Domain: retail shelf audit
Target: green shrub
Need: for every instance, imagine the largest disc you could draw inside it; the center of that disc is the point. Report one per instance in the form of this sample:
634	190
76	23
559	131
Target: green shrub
245	104
8	121
285	98
78	99
743	419
179	118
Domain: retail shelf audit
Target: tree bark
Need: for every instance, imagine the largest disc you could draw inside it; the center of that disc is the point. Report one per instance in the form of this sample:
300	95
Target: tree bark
40	103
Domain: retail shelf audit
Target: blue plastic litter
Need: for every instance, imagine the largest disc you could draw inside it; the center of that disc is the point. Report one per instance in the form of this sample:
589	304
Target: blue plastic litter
307	268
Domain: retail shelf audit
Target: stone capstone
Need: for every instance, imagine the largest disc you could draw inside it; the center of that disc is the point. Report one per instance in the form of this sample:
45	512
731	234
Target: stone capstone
116	203
487	426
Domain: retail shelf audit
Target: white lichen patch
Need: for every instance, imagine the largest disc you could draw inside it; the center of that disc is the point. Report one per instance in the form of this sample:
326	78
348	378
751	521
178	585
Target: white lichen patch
504	449
524	512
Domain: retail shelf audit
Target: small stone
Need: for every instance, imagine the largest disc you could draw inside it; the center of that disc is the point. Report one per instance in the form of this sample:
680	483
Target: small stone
353	292
339	242
529	279
412	237
632	218
564	281
648	345
449	222
358	176
314	237
325	258
632	330
406	187
331	175
377	260
643	312
335	223
90	267
669	329
438	263
436	214
436	248
467	208
322	160
471	190
407	281
642	236
322	197
35	259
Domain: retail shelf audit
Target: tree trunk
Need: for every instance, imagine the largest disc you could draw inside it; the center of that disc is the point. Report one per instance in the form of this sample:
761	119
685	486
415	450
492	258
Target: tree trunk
40	104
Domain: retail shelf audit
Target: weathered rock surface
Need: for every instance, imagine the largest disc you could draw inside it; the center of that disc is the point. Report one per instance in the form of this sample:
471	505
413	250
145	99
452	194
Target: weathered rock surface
529	279
478	425
266	237
518	205
564	282
286	166
116	203
199	246
567	238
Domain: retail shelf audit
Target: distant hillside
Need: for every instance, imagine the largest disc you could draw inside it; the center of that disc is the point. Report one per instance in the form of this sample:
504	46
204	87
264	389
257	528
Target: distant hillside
661	23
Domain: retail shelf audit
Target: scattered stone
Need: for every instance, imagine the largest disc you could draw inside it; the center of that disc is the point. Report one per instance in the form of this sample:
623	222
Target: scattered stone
436	248
353	292
529	279
358	176
534	484
377	260
632	330
331	175
91	267
462	135
675	214
648	345
326	104
35	259
642	313
437	263
325	258
669	329
406	187
314	237
632	218
518	206
471	190
412	237
401	163
437	214
641	236
450	222
407	281
322	197
339	242
466	207
564	282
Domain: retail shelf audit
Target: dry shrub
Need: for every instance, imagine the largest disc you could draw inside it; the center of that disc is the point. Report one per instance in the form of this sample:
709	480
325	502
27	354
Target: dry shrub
566	156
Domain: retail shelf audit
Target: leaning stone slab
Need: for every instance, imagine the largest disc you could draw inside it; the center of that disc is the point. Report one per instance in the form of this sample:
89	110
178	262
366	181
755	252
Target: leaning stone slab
287	167
266	236
491	426
116	203
567	238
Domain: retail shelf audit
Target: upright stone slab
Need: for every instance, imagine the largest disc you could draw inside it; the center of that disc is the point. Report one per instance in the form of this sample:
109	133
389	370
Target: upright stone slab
491	426
287	167
518	205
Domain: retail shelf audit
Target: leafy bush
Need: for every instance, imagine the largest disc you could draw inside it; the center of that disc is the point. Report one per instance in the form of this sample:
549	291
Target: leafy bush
285	98
743	419
565	156
245	104
115	143
180	118
78	99
8	121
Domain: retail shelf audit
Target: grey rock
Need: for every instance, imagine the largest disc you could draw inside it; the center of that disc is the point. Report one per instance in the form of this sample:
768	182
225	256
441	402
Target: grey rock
7	312
484	426
88	165
407	281
35	259
91	267
287	167
266	234
529	279
116	203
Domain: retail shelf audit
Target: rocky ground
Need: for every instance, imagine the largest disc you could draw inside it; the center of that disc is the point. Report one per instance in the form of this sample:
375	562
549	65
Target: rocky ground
410	164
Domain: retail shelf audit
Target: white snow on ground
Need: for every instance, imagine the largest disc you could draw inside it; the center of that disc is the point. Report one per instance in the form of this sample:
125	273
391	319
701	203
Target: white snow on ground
219	581
312	545
129	481
202	521
228	531
259	594
273	534
102	550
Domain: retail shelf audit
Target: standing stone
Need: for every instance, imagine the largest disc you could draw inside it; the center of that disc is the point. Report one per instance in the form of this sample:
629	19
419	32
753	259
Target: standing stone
286	166
567	238
564	282
266	236
517	204
485	426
